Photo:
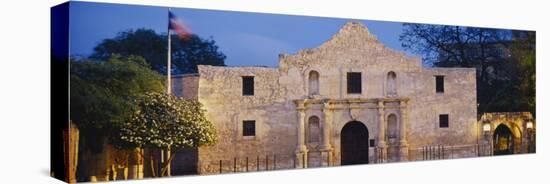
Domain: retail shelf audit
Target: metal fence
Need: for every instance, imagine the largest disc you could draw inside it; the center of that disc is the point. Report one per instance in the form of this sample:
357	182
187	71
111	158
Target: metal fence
268	162
438	152
250	163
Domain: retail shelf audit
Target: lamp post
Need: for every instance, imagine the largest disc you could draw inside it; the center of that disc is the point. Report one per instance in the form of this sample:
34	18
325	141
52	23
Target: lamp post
529	127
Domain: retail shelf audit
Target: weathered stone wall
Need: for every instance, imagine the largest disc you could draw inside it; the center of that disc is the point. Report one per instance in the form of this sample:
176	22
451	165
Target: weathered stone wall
185	86
458	101
220	91
352	49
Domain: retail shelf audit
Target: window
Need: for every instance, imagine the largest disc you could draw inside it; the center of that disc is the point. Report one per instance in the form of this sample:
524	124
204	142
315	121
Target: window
248	86
443	121
372	143
439	84
391	88
314	131
249	128
313	83
354	82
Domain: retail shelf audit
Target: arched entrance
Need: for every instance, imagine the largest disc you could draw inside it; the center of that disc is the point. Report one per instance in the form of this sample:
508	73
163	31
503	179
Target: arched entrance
354	144
503	141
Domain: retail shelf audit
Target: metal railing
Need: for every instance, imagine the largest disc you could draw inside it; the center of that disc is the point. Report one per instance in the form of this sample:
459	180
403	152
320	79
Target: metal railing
268	162
438	152
251	163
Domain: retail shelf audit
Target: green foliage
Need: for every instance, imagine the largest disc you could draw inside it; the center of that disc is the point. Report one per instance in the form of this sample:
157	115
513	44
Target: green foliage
524	54
193	51
165	121
186	53
101	92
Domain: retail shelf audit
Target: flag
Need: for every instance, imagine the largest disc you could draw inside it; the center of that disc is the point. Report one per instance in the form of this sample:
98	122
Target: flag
175	24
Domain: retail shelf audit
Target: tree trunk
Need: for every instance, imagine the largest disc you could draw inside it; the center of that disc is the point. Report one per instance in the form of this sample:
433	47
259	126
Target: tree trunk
152	163
135	163
165	170
168	157
70	150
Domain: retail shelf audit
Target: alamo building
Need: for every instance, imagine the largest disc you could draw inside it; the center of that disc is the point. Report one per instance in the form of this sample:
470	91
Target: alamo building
351	100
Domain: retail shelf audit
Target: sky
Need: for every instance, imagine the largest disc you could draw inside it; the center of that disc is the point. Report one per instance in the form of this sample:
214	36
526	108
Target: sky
247	39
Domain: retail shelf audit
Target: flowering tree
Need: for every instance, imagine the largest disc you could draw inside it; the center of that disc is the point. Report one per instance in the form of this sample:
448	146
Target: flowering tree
102	96
167	123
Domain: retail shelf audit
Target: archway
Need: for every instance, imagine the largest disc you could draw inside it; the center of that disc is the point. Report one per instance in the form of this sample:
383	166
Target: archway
503	141
354	144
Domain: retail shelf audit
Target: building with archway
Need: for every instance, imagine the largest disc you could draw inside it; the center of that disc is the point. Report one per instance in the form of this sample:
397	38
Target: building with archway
350	100
508	132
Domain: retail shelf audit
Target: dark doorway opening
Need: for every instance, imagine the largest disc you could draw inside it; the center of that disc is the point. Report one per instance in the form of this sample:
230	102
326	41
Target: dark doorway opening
354	144
503	141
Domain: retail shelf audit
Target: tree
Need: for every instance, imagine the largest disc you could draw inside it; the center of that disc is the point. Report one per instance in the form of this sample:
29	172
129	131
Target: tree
102	91
486	49
186	53
102	95
523	50
168	123
456	46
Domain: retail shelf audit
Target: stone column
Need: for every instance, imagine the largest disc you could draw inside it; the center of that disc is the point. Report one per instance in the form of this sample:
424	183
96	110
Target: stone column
301	149
381	132
403	144
326	148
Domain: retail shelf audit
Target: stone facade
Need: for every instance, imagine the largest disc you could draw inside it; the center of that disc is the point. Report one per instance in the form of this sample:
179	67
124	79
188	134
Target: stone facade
301	107
520	125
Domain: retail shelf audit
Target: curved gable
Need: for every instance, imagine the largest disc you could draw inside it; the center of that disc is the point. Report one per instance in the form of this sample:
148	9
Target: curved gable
352	46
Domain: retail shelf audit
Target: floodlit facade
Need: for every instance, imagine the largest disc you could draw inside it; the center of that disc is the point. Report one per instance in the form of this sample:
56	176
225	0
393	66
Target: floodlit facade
351	100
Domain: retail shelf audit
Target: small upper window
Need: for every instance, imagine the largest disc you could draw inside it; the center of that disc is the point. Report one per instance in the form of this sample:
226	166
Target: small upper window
439	84
248	86
443	121
249	128
354	82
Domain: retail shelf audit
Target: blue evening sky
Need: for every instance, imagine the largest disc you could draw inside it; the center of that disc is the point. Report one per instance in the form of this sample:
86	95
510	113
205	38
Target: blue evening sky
247	39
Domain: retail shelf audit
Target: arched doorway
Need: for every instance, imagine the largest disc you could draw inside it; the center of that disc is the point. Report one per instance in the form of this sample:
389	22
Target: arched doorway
503	141
354	144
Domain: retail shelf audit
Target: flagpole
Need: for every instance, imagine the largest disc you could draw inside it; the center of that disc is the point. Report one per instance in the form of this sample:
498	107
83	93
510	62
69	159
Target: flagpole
165	156
169	62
